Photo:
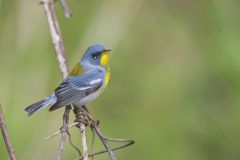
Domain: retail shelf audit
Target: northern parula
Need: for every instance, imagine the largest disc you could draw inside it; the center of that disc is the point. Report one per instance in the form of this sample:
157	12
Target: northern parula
86	82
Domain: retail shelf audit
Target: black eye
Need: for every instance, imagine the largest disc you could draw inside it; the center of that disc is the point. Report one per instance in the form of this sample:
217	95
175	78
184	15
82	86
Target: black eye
95	55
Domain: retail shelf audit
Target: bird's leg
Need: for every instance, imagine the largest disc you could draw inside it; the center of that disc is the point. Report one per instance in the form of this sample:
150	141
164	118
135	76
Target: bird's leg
80	116
89	117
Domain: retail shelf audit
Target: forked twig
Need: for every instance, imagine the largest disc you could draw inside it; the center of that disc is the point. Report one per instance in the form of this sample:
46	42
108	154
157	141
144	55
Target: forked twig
129	142
6	137
94	125
59	131
95	129
104	141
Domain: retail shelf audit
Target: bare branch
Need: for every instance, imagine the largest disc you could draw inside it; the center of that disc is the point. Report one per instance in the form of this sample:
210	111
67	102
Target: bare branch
80	118
56	35
64	131
6	137
59	131
74	146
104	139
65	8
105	142
84	141
96	129
113	149
57	41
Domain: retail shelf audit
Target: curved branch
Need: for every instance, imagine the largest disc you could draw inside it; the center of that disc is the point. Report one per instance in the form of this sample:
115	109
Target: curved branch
6	137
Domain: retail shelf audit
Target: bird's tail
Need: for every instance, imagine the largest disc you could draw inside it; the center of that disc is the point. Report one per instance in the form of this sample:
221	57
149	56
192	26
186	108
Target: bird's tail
41	104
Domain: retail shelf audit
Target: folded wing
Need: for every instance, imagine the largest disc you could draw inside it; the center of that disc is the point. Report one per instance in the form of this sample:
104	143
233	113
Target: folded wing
75	88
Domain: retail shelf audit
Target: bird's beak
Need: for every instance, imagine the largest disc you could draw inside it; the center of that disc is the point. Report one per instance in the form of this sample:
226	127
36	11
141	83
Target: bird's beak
107	51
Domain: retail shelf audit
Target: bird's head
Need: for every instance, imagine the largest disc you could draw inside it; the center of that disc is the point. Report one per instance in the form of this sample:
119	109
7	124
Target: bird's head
95	55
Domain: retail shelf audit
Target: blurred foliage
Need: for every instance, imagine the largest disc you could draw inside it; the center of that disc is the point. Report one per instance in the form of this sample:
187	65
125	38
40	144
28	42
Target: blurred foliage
175	84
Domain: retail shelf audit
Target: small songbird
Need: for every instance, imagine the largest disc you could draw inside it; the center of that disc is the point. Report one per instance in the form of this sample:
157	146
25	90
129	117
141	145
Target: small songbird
86	82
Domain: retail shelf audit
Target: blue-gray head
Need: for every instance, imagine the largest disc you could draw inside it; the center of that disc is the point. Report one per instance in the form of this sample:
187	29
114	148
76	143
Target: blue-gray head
95	55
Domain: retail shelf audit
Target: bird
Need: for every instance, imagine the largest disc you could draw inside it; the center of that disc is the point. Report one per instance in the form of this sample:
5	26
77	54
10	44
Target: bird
85	83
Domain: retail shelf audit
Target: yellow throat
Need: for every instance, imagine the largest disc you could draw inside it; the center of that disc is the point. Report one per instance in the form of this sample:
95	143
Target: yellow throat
104	61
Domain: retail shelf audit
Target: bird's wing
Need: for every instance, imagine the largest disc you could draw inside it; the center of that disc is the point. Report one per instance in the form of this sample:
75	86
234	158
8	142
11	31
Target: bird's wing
75	88
77	70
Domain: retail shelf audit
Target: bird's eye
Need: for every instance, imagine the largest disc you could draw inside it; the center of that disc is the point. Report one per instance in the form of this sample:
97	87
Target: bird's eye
95	55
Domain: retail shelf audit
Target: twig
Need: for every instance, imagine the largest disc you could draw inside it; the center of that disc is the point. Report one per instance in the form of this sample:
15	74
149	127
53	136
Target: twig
65	8
59	131
104	139
49	9
84	141
113	149
6	137
71	143
96	129
105	143
80	117
64	130
92	144
55	31
79	112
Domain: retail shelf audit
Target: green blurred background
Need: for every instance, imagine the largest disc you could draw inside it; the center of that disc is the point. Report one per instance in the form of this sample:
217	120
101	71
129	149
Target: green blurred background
175	82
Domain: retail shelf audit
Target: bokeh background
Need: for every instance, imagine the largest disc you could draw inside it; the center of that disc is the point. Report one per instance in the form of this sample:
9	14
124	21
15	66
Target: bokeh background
175	82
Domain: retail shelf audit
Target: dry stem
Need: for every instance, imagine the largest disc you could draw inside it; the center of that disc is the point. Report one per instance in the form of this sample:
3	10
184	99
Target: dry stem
94	125
6	137
84	141
65	8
